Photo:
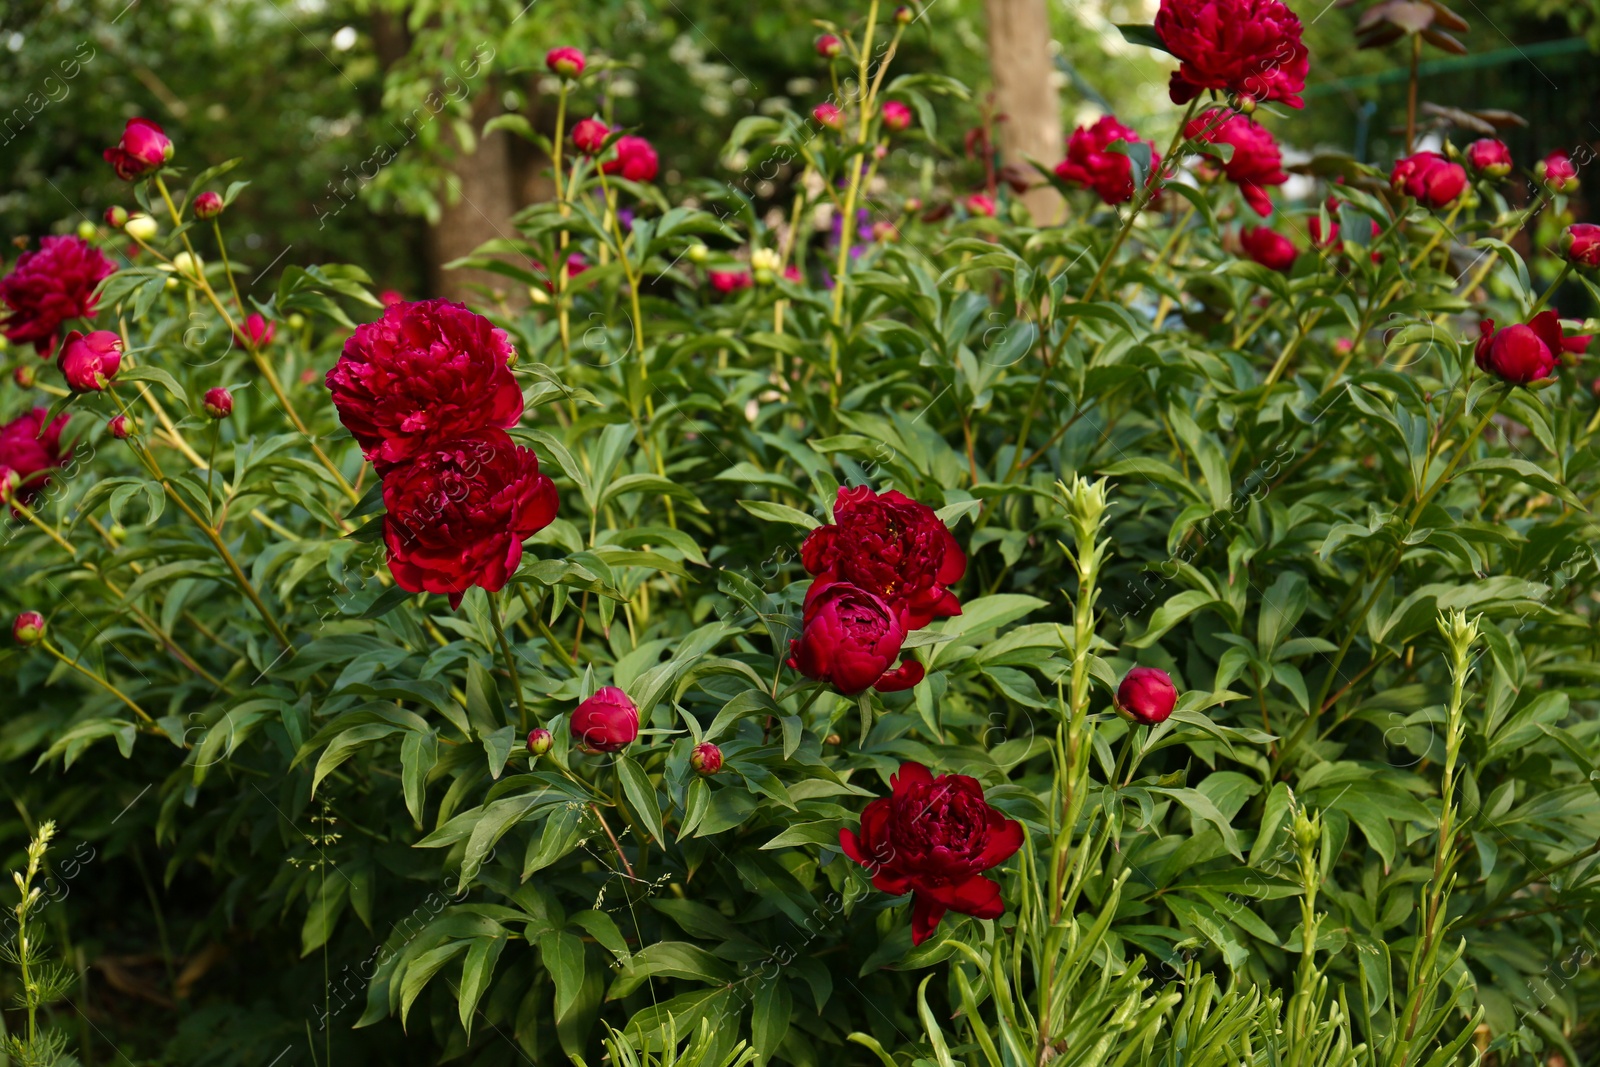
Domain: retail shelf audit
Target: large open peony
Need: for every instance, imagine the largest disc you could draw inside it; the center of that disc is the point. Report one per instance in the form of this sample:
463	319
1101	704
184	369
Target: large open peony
48	287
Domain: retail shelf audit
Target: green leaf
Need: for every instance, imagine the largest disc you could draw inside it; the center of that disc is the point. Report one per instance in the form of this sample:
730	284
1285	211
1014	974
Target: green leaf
641	795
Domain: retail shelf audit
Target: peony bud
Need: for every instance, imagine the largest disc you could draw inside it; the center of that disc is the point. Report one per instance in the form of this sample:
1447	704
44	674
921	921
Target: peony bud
255	331
606	722
981	204
903	14
118	532
143	148
187	264
1557	172
1520	354
1268	247
565	61
142	227
589	136
829	115
120	426
208	205
87	230
116	217
829	46
24	376
9	481
913	205
1147	696
218	403
28	629
1581	244
698	253
765	259
1429	178
90	362
1489	158
896	116
297	321
706	758
539	742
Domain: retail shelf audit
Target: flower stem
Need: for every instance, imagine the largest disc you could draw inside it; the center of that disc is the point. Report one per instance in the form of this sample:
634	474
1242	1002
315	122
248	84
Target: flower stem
496	614
93	677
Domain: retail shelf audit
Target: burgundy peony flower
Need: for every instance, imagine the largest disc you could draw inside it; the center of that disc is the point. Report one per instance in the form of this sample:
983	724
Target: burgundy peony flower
424	372
1558	172
934	838
828	115
729	281
1268	247
28	628
1147	695
565	61
1091	166
706	758
890	546
851	639
218	403
1581	244
1489	157
589	135
606	722
1520	354
49	286
1257	162
636	160
30	450
143	148
1248	47
255	331
896	116
208	205
829	46
1429	178
981	204
459	511
90	361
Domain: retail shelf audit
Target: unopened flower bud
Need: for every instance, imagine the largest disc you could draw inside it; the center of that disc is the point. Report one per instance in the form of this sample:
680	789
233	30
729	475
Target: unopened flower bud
828	115
1147	695
121	427
565	61
218	403
539	741
141	227
208	205
186	264
765	259
116	217
698	253
87	230
706	758
829	46
28	629
24	376
903	14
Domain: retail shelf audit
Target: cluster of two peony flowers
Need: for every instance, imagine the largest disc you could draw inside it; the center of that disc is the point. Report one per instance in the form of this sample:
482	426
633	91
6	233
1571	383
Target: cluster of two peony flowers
428	393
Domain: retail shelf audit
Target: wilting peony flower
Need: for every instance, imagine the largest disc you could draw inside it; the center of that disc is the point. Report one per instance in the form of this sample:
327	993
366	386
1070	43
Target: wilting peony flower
459	511
636	160
1429	178
829	46
1090	165
143	148
1251	48
539	741
934	838
892	547
28	628
1581	244
1268	247
896	116
706	758
606	722
49	286
1520	354
1147	695
828	115
218	403
1557	171
89	362
850	639
981	204
729	281
208	205
1489	157
426	371
255	331
589	135
566	61
1257	161
31	449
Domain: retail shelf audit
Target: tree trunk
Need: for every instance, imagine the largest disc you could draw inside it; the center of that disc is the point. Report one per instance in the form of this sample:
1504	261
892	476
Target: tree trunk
1025	93
477	201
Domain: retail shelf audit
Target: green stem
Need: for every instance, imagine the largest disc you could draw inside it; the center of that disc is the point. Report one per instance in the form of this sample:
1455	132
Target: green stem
93	677
496	618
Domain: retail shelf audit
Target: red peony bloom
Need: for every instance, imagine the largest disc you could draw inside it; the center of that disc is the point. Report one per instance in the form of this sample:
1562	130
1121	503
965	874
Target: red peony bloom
1581	244
1557	171
934	838
636	160
1520	354
896	116
1429	178
143	148
1268	247
1091	166
208	205
566	61
255	331
30	449
49	286
1257	161
459	511
89	362
1489	157
851	640
1248	47
426	371
606	722
892	547
729	281
1147	695
589	135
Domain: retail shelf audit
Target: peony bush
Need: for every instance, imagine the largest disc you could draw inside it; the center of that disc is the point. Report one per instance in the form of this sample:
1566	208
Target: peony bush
892	629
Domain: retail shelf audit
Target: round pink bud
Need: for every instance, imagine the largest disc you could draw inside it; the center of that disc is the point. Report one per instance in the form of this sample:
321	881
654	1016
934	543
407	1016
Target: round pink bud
565	61
120	426
1489	158
539	741
1147	695
255	331
896	116
606	722
218	403
90	361
589	136
1581	244
706	758
28	629
981	204
208	205
10	480
1557	171
829	46
903	14
24	376
829	115
116	217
